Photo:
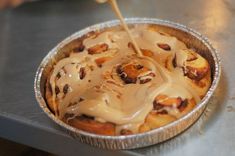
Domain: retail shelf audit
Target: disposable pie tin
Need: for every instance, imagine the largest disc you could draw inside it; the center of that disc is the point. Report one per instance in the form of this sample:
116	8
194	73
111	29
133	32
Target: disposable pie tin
190	37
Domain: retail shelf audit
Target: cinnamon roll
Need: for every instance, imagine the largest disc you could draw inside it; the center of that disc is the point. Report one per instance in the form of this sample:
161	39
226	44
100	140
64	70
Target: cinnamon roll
103	87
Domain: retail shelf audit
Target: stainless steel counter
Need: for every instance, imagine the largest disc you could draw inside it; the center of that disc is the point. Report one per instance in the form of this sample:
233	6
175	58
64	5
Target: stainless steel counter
27	33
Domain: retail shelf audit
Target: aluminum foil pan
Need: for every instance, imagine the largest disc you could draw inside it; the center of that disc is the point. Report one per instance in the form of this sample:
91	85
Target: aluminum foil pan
190	37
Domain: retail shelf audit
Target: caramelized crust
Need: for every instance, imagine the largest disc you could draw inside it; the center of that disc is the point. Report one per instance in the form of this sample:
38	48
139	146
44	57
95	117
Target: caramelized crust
48	95
92	126
154	120
97	49
130	73
133	71
102	60
164	46
167	101
187	107
195	66
201	86
126	132
160	117
147	52
196	70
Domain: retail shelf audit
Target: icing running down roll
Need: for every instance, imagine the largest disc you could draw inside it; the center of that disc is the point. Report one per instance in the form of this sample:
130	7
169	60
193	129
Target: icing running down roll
103	87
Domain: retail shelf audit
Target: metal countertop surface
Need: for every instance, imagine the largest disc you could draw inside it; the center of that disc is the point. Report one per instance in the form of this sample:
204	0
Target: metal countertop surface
28	32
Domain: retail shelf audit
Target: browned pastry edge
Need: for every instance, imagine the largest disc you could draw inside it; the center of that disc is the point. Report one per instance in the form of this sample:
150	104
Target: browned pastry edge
92	126
202	85
48	94
156	119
